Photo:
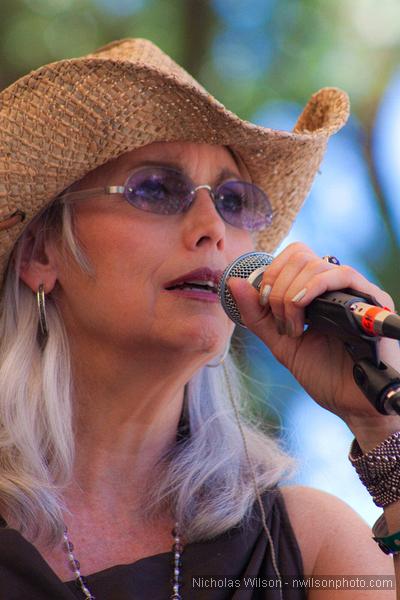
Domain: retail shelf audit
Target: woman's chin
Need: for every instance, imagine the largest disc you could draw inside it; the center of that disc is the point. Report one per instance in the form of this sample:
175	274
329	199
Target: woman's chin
208	335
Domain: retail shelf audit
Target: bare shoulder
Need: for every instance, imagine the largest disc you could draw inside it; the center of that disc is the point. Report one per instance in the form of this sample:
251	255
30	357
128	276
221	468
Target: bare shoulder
333	538
314	515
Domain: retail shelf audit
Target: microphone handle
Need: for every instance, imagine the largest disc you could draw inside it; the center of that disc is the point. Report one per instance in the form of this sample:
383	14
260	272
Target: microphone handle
391	327
331	314
342	314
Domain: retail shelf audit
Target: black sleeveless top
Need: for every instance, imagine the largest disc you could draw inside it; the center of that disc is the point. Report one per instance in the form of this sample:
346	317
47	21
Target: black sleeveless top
235	565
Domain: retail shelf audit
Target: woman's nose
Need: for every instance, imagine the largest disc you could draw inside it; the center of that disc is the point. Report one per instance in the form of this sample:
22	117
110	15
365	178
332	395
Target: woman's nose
202	223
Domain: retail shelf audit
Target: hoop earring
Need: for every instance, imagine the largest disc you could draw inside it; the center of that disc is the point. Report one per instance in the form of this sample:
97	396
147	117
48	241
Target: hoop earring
222	357
43	330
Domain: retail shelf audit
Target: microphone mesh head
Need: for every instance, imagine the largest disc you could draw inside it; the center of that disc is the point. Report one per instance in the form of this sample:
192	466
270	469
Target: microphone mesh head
242	267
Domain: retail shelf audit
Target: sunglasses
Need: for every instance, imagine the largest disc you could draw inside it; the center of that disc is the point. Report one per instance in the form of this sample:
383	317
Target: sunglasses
168	191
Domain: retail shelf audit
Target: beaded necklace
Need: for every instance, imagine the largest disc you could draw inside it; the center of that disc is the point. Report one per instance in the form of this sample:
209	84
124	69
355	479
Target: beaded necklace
81	583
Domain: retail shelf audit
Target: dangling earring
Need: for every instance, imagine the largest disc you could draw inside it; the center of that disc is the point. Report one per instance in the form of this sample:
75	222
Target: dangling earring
222	357
43	331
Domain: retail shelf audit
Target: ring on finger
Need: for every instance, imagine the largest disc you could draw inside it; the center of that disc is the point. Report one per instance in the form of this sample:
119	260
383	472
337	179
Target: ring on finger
331	259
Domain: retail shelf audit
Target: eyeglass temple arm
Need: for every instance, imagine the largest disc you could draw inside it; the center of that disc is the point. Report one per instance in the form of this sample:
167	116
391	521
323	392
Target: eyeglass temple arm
70	197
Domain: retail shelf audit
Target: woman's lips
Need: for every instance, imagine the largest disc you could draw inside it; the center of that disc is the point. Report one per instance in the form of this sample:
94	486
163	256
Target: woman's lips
195	294
200	284
202	274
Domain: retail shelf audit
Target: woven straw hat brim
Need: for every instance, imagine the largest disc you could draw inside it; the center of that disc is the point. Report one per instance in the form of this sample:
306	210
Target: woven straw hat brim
69	117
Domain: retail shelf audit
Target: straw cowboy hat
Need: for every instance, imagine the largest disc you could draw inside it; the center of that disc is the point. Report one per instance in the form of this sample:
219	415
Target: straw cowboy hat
66	118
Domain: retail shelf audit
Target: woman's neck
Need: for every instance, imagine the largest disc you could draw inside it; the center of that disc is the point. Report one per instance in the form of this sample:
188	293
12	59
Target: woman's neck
125	419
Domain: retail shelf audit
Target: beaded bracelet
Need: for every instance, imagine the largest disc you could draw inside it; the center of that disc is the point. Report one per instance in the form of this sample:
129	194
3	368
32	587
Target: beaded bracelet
379	469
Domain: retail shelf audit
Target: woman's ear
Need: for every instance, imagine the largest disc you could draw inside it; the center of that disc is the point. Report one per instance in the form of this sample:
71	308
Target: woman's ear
38	264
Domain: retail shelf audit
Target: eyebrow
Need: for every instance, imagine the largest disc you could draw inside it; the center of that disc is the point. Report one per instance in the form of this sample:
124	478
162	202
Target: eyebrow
222	175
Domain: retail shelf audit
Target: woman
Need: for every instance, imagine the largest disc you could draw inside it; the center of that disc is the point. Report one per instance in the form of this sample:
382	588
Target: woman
115	427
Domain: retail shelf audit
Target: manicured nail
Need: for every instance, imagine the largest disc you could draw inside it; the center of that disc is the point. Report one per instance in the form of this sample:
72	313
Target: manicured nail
300	295
280	325
289	328
265	292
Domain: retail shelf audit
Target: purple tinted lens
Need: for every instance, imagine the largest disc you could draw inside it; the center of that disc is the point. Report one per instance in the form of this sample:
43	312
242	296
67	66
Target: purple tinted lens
244	205
167	191
159	190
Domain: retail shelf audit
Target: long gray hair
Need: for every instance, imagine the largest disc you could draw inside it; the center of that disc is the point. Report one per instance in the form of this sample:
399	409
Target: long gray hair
206	478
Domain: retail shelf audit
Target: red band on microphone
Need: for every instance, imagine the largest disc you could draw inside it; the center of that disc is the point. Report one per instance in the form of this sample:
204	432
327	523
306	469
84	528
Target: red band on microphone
368	319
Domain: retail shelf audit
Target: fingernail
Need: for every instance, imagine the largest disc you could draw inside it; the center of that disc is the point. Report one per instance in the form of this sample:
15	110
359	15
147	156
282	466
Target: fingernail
280	325
265	292
289	328
300	295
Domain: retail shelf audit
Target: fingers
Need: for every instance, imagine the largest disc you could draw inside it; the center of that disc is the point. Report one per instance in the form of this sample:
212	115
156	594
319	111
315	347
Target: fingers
256	317
314	280
247	300
285	279
290	283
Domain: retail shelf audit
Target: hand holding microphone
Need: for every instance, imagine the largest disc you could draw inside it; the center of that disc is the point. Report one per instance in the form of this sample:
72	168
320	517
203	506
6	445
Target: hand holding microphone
303	288
340	313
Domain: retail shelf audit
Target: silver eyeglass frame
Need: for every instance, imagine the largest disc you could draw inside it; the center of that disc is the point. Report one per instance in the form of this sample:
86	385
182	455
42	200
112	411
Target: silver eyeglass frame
71	197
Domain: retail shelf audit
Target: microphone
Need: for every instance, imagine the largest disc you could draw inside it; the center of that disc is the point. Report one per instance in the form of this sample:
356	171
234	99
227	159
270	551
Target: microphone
344	313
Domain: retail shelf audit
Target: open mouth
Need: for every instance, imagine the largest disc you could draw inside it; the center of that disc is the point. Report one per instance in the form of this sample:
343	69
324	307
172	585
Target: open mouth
201	282
205	286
